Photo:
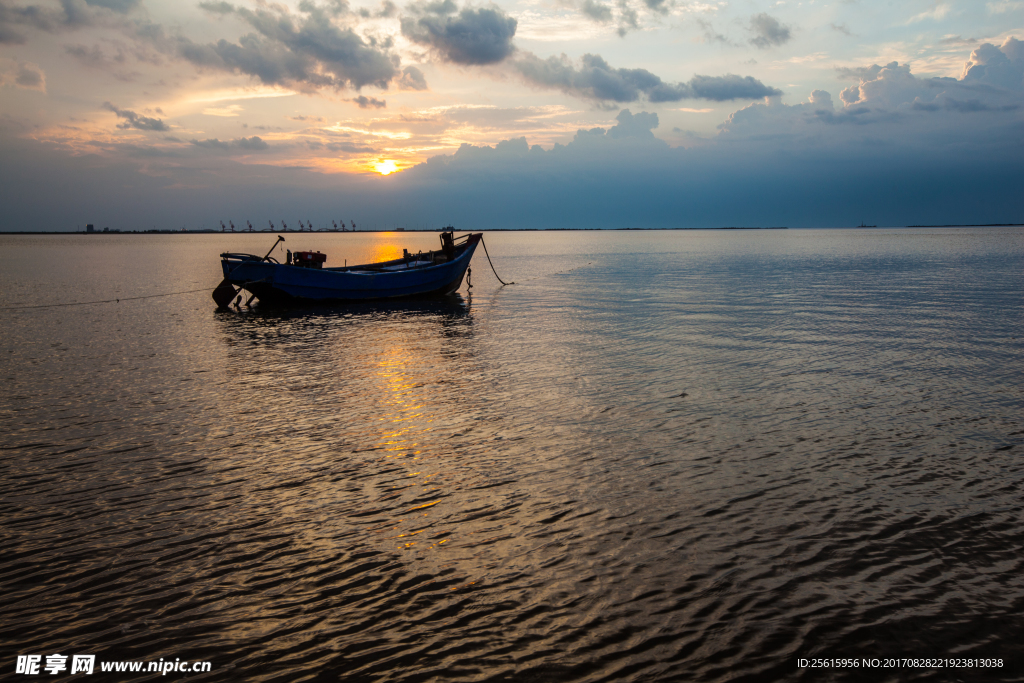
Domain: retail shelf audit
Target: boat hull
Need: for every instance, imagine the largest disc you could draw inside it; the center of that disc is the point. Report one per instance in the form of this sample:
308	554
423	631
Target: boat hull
279	283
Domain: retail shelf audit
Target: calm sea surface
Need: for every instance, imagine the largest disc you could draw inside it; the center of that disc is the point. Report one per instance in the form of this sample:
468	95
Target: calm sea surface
661	456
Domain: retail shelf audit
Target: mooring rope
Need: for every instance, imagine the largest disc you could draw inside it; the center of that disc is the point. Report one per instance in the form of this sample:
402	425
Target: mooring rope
104	301
492	265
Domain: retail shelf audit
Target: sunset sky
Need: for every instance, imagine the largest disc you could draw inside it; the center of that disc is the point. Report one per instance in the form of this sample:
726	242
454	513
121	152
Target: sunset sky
137	114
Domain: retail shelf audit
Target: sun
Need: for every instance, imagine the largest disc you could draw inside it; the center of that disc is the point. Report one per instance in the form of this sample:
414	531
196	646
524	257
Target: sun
385	167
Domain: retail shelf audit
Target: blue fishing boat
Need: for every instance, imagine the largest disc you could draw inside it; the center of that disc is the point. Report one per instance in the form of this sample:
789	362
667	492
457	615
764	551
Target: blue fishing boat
303	277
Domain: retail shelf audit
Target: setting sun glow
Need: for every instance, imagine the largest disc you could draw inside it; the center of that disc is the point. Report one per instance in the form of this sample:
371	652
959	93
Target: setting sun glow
385	167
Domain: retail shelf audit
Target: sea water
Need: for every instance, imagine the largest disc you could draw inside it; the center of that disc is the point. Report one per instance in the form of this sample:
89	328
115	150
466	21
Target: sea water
659	456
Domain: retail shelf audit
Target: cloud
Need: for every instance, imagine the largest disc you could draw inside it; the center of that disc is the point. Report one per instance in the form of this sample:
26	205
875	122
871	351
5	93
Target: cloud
659	6
308	51
23	75
730	87
365	102
1003	6
889	103
623	176
823	174
471	37
624	14
439	7
350	148
387	10
67	15
768	31
596	11
968	106
634	125
957	40
840	28
253	144
857	73
120	6
937	12
710	35
596	80
993	78
217	7
229	111
115	64
999	66
411	79
628	18
91	57
9	35
133	120
70	15
630	143
31	78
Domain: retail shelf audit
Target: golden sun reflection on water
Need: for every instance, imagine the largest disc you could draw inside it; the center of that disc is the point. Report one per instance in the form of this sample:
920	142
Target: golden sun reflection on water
386	250
406	422
374	393
403	411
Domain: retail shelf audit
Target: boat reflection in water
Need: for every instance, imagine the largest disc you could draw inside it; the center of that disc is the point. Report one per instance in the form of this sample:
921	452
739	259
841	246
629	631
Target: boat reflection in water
442	308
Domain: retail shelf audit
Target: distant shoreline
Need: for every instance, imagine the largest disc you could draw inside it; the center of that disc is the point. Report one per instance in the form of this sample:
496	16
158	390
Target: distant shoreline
313	232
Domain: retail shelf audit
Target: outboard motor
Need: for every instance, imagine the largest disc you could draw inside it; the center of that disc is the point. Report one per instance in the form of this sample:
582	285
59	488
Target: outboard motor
448	244
309	259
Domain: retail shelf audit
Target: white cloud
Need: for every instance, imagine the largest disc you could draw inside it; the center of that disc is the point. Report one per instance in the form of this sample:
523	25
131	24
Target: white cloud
809	59
1004	6
228	111
338	128
557	27
257	92
983	108
937	12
